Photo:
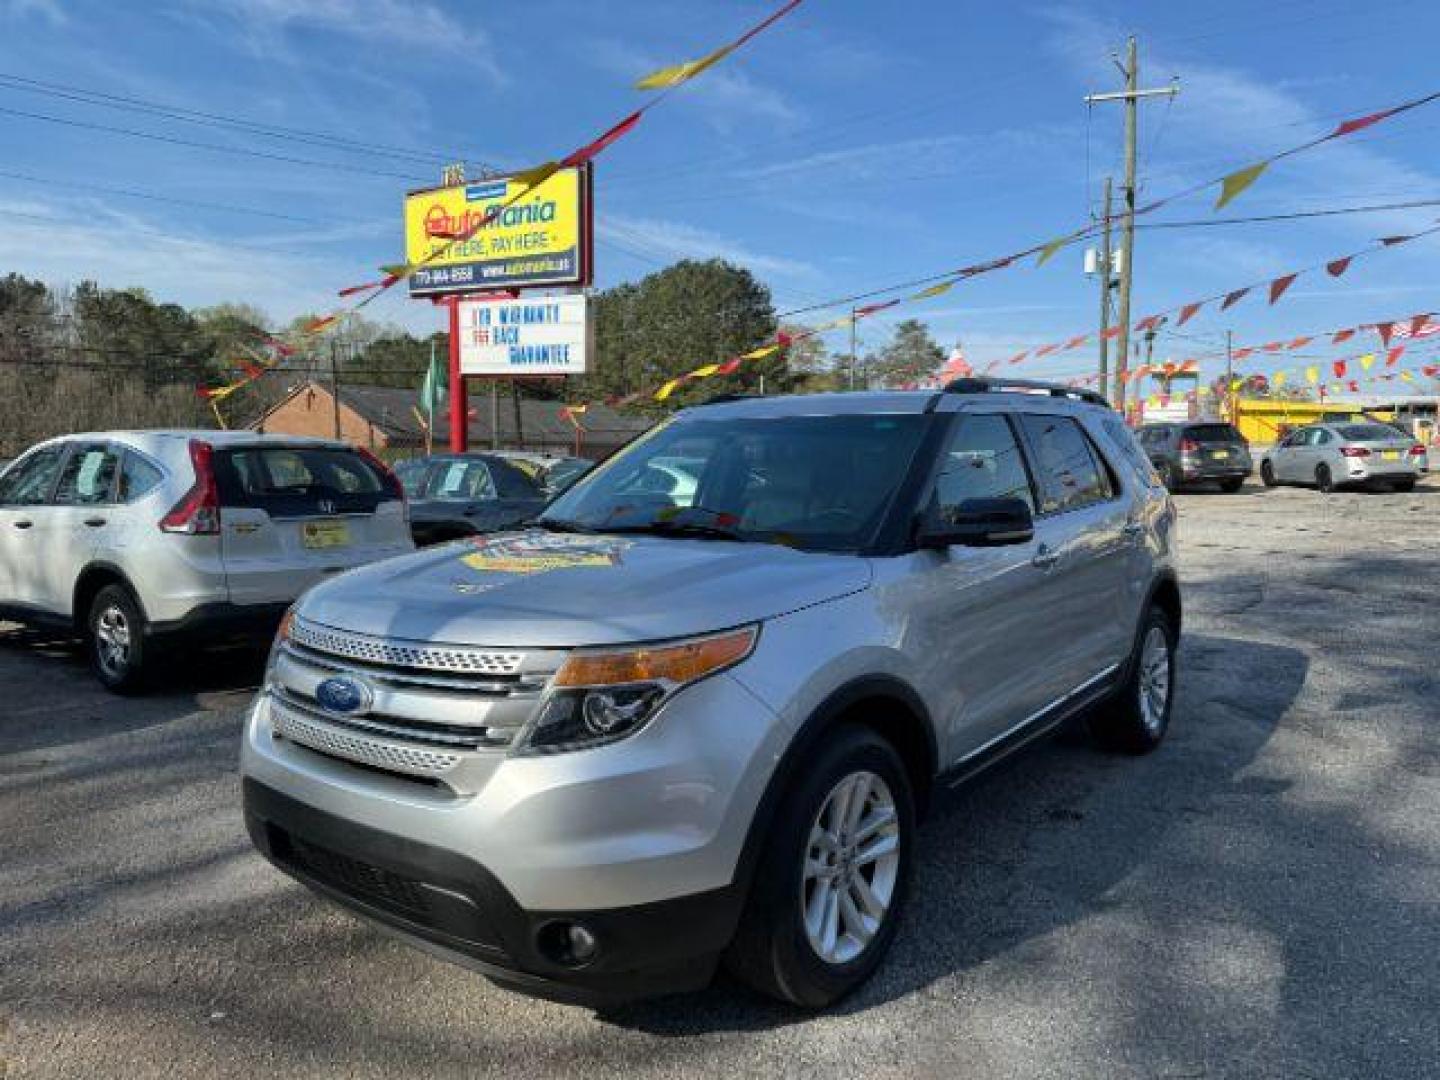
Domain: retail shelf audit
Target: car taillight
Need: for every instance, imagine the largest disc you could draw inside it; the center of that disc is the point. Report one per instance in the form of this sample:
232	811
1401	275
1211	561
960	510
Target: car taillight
1189	446
198	511
1354	451
1417	450
388	480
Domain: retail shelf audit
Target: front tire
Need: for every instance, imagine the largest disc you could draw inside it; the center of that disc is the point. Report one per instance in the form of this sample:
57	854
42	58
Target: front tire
833	879
1404	487
1136	719
116	640
1267	474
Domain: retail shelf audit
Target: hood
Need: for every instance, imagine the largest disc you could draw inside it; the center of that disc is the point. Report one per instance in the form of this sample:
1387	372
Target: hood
548	590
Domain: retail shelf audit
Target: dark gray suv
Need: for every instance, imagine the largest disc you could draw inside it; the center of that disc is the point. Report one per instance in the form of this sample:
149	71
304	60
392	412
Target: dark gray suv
1196	452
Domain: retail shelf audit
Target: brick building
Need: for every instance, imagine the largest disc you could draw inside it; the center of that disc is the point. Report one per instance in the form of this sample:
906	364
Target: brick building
384	419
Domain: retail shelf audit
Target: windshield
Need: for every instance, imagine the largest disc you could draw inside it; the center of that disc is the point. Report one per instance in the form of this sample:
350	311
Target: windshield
820	483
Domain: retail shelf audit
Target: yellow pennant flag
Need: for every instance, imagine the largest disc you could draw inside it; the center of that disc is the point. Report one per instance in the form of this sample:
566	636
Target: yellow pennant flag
1236	384
1312	375
666	390
704	372
1050	249
536	176
1367	361
761	353
835	324
935	290
1237	182
1405	376
1278	379
679	73
399	270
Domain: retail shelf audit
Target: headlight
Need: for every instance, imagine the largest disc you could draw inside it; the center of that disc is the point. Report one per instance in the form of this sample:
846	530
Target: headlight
282	635
600	695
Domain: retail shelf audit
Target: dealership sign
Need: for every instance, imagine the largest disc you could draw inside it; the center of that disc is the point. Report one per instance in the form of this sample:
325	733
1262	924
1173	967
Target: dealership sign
526	237
542	336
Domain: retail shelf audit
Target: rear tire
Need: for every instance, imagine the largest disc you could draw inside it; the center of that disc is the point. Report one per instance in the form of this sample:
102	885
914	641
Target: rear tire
115	638
1404	487
831	885
1135	720
1323	480
1230	487
1267	474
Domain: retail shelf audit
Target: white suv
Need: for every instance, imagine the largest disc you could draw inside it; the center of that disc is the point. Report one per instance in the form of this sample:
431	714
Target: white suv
137	539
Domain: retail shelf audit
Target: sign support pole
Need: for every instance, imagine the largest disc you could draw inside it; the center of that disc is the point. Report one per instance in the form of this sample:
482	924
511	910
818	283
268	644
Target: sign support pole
459	411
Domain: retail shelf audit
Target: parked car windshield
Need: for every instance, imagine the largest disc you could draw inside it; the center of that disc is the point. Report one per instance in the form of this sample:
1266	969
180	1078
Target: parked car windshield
1213	433
818	483
1369	433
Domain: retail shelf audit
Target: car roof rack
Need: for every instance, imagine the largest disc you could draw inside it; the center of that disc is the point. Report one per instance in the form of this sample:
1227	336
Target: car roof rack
980	384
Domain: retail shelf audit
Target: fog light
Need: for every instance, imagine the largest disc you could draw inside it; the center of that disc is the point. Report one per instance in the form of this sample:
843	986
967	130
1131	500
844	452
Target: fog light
570	944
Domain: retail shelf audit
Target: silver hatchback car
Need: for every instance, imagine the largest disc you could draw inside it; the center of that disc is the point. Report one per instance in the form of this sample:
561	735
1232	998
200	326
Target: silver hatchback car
1357	453
660	730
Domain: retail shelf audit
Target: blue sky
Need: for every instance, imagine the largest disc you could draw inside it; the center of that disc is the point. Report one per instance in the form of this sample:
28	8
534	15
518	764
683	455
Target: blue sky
854	145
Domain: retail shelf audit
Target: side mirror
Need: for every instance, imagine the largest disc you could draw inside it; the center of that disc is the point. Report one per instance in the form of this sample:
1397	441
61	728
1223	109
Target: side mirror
977	523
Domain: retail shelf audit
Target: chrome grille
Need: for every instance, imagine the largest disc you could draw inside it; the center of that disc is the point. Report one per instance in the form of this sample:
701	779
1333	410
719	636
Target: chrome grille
361	647
382	754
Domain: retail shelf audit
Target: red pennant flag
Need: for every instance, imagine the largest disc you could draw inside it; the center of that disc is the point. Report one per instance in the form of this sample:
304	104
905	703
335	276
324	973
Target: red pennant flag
1338	266
1075	342
1147	323
870	309
1241	354
1045	350
1273	346
1391	241
1417	325
1231	299
1430	370
1385	329
1188	312
728	368
585	153
202	392
1340	367
1299	343
280	346
1393	356
1019	356
1280	284
1354	386
1113	332
1342	335
1349	127
252	370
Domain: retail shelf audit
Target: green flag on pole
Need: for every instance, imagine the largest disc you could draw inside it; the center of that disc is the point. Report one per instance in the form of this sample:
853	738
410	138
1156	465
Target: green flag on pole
434	386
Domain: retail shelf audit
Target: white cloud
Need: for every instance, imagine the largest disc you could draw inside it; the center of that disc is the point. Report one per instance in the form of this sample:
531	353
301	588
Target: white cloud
674	240
418	25
50	10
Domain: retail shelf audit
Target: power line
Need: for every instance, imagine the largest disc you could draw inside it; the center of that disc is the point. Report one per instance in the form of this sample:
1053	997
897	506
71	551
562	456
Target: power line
216	147
219	120
1293	216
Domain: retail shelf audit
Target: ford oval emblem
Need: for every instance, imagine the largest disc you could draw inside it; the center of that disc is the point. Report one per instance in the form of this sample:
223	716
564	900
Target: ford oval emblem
343	695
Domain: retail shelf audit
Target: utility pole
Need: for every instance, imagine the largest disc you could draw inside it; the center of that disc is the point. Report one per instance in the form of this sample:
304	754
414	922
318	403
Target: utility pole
1131	96
854	356
1229	380
335	386
1105	257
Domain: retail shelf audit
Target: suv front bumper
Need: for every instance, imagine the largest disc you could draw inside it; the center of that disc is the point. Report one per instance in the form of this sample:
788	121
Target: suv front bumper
640	841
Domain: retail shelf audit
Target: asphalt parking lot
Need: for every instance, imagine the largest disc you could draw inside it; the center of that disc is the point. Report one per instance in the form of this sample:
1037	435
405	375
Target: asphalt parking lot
1259	898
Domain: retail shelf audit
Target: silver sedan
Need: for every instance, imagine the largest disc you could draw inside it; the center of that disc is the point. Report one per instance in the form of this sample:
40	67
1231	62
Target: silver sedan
1358	453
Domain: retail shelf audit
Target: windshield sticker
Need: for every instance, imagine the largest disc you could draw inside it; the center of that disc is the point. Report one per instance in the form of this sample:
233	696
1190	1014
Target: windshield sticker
539	553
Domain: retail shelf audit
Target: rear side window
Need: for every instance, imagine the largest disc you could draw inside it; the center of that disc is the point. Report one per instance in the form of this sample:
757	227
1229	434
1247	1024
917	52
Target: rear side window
1071	475
983	461
138	478
289	481
460	481
1123	440
29	481
89	476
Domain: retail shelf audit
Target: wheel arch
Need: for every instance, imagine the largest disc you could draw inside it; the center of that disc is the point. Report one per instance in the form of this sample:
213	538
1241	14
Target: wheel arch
883	703
89	582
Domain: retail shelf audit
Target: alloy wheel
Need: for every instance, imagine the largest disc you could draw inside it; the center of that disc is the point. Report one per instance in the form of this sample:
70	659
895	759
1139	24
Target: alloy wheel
112	641
1154	682
851	869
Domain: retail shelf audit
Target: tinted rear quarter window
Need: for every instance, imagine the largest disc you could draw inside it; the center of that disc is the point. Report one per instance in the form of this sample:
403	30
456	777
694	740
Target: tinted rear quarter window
1213	433
1369	433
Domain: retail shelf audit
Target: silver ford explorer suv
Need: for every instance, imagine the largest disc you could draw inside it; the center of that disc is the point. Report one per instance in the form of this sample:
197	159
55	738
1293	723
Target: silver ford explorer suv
672	725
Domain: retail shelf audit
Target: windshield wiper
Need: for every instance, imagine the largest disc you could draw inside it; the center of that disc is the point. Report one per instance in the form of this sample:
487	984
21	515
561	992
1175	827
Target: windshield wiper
682	528
559	525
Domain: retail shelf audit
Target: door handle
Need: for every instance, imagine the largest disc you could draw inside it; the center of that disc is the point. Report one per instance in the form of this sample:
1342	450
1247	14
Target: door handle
94	522
23	524
1045	558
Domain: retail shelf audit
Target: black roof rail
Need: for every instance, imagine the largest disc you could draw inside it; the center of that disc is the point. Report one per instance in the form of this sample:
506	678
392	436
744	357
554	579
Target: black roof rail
981	384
